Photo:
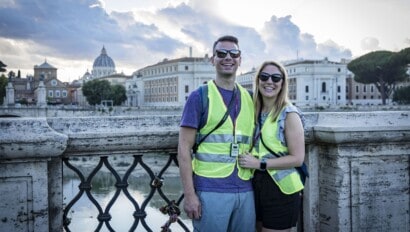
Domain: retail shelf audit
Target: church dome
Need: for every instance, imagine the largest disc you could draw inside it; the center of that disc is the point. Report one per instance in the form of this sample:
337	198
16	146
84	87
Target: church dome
103	65
104	60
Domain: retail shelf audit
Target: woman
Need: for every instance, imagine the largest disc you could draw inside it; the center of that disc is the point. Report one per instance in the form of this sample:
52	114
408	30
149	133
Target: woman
279	132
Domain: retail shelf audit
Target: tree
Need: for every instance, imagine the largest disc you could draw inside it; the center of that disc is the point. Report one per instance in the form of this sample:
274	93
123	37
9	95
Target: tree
2	67
402	95
118	94
3	84
381	68
97	90
12	74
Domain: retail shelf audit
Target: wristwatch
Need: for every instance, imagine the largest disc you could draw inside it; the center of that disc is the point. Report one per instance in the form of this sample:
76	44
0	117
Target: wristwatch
262	165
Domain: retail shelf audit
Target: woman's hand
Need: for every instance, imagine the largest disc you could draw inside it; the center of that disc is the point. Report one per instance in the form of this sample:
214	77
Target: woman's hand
248	161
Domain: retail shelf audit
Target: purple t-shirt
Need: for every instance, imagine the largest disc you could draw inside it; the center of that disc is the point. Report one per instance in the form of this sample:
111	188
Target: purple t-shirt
191	117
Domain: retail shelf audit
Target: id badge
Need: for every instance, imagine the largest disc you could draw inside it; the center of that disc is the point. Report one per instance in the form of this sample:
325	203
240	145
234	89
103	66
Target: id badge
234	149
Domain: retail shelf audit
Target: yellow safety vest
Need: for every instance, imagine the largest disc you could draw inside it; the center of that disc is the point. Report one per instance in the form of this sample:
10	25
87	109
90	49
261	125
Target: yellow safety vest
213	158
288	180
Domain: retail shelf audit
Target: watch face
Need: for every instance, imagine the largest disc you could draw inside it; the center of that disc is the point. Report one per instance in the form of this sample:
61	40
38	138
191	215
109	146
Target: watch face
263	165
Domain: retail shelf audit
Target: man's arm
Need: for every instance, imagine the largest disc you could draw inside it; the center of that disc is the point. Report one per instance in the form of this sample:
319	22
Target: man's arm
192	206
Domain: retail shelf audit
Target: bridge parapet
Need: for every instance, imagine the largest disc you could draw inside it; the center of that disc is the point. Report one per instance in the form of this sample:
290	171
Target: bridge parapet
358	163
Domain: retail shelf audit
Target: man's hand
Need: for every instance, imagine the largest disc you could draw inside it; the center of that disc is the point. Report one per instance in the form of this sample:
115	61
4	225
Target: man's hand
192	206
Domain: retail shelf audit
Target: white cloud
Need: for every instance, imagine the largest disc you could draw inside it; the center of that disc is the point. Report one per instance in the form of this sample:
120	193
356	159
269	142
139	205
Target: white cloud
370	44
70	34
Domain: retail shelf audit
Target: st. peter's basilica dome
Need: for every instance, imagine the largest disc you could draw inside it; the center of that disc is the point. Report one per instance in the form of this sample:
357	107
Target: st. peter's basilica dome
103	65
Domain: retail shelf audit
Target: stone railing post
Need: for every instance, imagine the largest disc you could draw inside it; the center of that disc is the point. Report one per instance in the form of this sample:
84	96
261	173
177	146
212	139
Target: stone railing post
31	193
359	172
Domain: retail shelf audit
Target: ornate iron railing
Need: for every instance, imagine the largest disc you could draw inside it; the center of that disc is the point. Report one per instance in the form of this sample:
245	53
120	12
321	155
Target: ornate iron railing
171	207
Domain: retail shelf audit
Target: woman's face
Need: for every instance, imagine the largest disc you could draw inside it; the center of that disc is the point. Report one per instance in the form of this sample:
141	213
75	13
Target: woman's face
270	81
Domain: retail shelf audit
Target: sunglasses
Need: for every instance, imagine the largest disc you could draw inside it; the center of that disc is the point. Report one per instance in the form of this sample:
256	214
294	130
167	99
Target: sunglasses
276	77
222	53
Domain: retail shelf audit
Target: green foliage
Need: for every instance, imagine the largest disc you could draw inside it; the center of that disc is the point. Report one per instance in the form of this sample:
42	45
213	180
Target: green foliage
23	101
3	85
382	68
118	94
97	90
402	95
2	66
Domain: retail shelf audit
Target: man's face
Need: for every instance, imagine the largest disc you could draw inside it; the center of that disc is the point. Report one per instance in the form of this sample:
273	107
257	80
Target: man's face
226	58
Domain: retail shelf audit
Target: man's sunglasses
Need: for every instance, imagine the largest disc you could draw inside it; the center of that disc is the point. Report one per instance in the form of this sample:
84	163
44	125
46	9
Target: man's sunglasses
222	53
276	77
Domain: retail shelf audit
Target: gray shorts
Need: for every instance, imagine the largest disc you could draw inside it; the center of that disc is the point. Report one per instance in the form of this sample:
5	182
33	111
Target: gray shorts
225	212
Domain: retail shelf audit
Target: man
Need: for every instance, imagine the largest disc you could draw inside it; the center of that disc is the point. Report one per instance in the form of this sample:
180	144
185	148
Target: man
218	192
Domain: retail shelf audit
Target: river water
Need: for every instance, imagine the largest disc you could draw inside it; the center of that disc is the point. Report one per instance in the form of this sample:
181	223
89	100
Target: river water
84	214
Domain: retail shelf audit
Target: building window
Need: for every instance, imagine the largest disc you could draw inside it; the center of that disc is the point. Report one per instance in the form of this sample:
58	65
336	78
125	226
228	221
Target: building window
53	82
323	87
307	98
186	67
339	89
57	93
186	88
307	89
357	88
50	93
364	88
371	89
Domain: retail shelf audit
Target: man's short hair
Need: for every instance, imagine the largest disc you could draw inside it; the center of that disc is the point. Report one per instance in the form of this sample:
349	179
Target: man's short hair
229	38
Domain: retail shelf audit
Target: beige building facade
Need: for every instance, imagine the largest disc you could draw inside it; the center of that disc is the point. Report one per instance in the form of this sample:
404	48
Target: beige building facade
169	82
322	83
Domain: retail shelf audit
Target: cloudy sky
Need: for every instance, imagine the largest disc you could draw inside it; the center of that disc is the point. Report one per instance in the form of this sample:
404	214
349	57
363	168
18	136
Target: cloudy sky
70	34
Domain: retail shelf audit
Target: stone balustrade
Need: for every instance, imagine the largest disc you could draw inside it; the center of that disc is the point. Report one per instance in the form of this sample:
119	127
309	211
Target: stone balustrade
358	162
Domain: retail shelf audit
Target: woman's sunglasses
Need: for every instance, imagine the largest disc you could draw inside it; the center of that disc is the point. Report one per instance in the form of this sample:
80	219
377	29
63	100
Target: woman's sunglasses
222	53
276	77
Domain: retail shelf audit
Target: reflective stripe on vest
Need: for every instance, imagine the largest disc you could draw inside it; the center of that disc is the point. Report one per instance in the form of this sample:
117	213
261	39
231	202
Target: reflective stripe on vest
213	155
215	158
288	180
219	138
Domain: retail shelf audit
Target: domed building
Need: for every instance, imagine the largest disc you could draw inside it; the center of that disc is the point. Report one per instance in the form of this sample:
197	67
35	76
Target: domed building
103	69
103	65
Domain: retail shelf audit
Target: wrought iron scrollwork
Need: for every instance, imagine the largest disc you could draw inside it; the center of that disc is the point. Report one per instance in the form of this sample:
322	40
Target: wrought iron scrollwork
121	185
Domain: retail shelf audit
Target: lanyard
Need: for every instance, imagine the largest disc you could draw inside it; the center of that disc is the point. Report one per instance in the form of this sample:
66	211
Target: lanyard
234	99
259	134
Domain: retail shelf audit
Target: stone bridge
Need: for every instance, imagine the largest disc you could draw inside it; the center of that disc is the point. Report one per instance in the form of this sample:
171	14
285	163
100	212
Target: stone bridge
358	162
74	111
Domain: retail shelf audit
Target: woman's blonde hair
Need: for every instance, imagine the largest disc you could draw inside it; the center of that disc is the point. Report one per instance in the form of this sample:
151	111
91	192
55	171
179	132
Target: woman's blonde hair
282	98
